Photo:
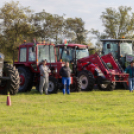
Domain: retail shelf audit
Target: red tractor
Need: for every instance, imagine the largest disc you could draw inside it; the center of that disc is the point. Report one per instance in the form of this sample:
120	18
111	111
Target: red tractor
29	59
92	69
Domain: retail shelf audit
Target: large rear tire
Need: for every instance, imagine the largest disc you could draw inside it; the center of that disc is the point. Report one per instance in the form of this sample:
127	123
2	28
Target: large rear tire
11	85
26	79
107	87
87	80
76	86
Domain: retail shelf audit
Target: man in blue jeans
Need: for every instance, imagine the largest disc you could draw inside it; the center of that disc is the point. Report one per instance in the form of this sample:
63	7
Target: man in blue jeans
65	72
130	70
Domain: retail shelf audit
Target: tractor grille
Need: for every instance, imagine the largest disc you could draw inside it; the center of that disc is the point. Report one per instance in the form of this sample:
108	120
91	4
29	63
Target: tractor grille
119	78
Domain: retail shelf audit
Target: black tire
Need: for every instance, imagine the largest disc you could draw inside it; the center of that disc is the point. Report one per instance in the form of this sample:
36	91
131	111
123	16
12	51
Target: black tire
27	82
87	80
76	86
53	85
122	85
11	85
125	85
106	87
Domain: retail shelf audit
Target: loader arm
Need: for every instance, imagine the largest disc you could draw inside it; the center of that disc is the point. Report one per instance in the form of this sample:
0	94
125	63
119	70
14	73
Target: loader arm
110	59
114	75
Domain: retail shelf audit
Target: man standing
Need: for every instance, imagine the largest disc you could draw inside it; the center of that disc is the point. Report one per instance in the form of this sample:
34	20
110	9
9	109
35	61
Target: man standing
130	70
44	77
65	72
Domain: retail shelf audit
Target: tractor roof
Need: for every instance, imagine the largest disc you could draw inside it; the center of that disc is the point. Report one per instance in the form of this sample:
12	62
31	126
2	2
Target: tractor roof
73	45
116	40
31	44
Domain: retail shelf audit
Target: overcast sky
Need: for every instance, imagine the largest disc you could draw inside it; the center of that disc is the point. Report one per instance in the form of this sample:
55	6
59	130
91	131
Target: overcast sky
88	10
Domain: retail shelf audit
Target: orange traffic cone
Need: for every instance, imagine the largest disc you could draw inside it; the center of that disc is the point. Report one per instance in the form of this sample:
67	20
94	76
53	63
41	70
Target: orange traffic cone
8	100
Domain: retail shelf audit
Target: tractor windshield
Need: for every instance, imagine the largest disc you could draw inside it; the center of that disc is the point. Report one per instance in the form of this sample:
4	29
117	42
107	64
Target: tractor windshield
45	53
125	48
80	53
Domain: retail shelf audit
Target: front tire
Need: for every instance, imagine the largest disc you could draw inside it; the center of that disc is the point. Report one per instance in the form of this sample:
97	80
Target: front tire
87	80
107	87
53	86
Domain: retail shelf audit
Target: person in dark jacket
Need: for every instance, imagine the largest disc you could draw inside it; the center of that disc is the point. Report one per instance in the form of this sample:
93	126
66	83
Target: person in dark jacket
130	71
65	72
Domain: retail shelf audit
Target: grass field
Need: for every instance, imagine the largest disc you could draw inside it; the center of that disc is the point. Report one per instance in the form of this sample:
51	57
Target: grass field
93	112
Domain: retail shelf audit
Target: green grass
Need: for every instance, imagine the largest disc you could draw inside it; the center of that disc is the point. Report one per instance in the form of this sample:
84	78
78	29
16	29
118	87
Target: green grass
93	112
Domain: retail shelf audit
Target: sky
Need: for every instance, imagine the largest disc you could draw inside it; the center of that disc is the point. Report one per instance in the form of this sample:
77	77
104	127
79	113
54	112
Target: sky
88	10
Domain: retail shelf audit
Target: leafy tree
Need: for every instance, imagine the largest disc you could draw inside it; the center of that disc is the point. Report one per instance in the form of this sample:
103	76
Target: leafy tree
15	25
76	27
119	22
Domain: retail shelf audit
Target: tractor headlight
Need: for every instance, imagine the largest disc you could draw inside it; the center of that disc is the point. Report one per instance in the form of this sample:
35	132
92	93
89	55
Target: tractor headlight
99	72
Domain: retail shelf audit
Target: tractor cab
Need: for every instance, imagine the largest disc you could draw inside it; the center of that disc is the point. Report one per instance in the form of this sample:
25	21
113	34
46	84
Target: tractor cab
71	52
119	48
31	55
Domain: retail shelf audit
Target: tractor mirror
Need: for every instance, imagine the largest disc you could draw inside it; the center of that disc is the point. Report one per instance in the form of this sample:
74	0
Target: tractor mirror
33	48
108	46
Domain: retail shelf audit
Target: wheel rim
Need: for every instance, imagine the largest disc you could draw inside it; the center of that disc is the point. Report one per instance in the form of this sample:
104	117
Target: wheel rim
84	81
51	86
22	80
104	85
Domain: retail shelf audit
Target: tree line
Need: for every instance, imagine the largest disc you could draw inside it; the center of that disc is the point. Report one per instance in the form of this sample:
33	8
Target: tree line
18	23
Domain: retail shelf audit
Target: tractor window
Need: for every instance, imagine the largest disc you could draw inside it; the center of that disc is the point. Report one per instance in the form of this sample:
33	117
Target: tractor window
113	48
32	55
81	53
125	48
65	56
43	53
23	52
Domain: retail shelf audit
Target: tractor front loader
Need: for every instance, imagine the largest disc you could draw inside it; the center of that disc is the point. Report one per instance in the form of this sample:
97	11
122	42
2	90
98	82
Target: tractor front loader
105	76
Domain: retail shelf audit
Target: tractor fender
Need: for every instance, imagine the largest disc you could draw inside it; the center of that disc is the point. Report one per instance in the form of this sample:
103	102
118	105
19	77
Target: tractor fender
91	67
25	65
